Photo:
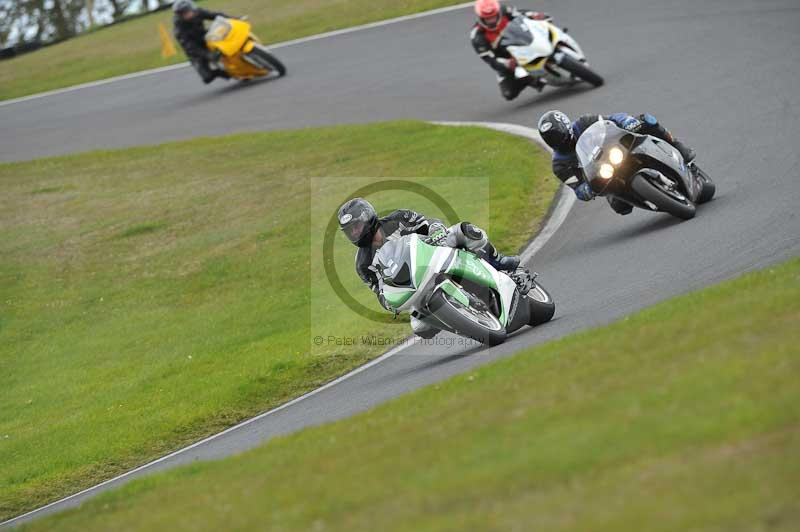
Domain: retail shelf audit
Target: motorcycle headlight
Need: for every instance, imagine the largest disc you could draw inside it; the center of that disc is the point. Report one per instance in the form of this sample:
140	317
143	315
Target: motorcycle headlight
606	171
615	155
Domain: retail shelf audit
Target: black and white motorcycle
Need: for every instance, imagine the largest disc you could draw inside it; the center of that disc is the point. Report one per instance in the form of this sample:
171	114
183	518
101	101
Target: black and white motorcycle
546	53
641	170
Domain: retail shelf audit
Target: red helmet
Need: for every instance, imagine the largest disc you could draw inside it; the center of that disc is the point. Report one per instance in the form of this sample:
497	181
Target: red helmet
488	12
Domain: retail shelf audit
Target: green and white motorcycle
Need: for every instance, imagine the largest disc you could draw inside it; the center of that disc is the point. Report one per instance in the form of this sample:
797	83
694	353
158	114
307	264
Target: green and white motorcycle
454	290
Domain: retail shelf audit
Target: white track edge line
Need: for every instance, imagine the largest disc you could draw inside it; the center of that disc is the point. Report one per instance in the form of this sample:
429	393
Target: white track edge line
564	199
558	214
283	44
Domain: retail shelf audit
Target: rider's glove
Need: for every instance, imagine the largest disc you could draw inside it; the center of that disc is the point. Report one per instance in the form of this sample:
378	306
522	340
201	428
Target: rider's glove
511	65
437	234
584	192
436	226
538	15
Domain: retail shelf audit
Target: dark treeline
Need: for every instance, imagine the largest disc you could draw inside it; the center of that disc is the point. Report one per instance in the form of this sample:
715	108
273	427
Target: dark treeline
26	24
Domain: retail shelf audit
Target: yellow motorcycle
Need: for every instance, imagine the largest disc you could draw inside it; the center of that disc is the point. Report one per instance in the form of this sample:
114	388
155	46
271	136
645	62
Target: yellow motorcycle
240	52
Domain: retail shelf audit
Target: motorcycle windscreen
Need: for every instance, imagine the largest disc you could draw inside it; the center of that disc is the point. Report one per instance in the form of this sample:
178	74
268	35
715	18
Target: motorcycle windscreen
516	34
593	147
529	43
392	263
218	30
227	35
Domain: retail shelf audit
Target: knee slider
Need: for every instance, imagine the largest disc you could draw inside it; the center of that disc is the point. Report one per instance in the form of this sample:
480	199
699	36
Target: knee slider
470	231
474	237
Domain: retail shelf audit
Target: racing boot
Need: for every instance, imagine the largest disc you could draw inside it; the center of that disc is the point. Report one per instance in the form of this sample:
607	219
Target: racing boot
537	83
686	152
506	263
216	74
206	73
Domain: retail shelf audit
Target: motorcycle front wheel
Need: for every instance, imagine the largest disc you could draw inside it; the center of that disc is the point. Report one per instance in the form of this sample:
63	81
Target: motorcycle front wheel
664	200
267	60
480	325
580	70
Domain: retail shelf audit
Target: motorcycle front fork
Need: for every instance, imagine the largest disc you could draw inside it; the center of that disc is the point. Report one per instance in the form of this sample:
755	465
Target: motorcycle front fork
524	279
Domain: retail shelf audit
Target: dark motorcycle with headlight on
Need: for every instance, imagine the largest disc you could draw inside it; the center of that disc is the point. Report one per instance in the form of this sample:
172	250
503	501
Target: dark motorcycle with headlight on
641	170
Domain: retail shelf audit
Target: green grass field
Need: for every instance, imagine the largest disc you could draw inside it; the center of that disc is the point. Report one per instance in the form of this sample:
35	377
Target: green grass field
152	296
680	417
135	45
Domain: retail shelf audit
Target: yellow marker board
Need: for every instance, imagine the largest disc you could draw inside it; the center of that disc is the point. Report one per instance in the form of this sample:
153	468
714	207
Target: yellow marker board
167	47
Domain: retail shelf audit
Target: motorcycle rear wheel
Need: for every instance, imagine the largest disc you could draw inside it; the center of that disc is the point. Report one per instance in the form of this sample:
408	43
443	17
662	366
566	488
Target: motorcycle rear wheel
541	305
709	188
467	321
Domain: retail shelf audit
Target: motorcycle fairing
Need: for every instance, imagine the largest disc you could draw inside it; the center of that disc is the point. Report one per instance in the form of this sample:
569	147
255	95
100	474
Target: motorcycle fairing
227	35
543	41
645	150
233	39
427	264
662	156
530	55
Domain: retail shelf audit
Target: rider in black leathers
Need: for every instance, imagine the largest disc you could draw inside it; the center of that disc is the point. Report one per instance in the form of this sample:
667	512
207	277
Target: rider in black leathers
562	134
190	31
360	223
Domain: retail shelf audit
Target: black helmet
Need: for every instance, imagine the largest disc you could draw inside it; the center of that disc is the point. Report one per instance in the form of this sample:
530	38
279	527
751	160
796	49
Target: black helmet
358	220
182	6
556	130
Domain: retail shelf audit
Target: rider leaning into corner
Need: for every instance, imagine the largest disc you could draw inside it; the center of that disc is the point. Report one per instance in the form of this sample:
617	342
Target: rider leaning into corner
492	20
190	31
561	134
361	225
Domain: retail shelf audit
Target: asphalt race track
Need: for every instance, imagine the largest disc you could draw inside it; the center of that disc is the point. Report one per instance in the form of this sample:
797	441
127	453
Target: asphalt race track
722	74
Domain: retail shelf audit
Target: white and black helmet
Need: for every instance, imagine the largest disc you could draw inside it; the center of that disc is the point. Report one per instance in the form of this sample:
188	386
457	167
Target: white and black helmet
556	130
182	6
358	220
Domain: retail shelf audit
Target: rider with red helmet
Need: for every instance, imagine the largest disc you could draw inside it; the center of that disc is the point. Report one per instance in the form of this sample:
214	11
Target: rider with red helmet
493	18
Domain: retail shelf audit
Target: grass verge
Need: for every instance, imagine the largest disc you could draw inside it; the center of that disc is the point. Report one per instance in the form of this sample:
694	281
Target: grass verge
133	46
152	296
680	417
